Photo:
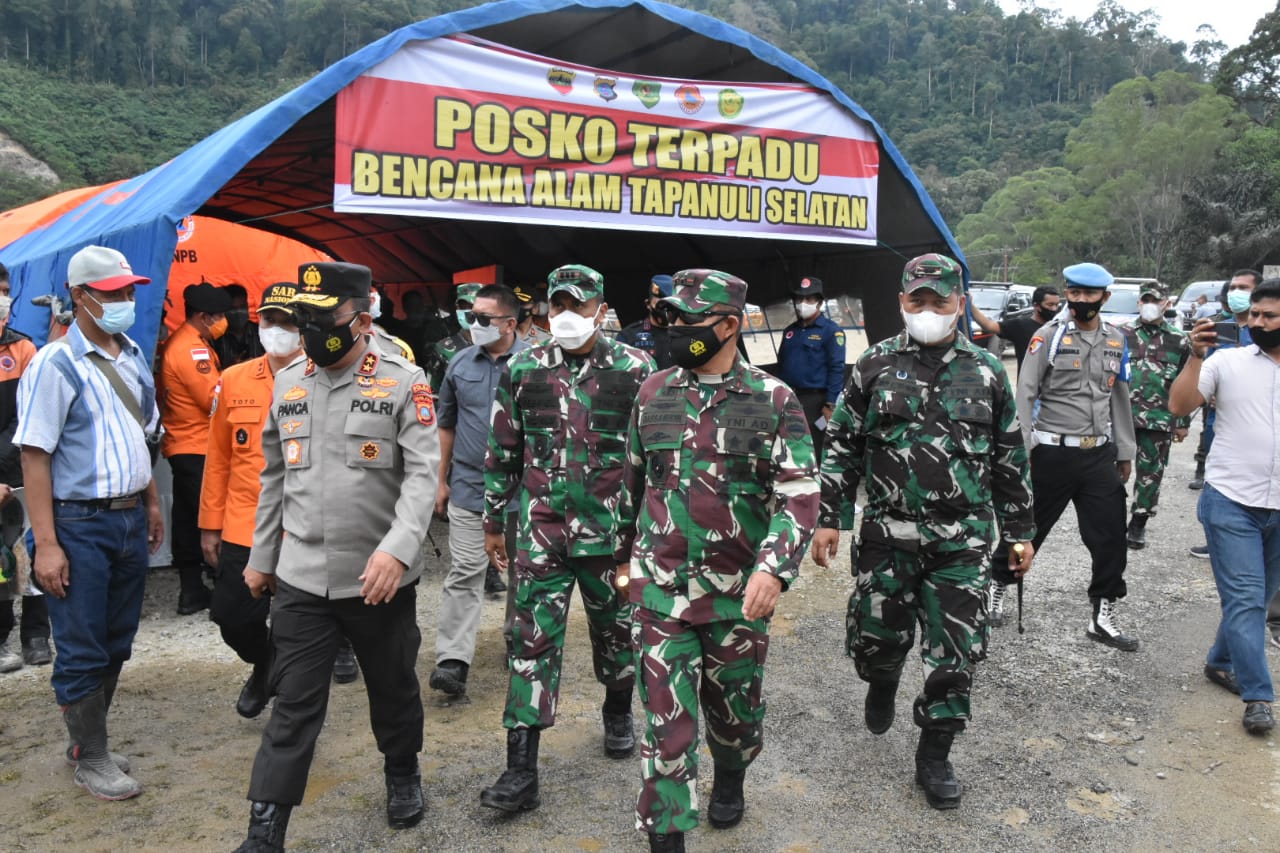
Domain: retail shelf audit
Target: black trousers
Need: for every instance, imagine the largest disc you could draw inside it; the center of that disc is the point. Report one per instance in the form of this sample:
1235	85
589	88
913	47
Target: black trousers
241	618
1089	480
35	618
812	400
305	632
184	530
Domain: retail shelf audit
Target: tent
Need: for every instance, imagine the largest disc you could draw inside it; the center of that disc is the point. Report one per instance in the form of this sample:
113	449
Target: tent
275	169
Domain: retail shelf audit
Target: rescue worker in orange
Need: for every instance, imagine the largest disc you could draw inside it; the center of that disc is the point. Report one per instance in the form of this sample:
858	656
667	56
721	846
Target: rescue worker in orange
229	497
189	373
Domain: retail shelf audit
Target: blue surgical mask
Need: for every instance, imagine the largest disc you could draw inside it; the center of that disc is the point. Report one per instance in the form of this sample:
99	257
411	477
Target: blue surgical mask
117	317
462	319
1238	301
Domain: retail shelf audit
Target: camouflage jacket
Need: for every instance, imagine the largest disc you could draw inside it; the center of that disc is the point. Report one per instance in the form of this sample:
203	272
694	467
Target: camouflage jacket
559	430
939	447
440	354
1156	354
720	482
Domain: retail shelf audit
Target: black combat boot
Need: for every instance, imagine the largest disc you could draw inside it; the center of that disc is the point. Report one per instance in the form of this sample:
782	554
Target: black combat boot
933	770
1137	535
1103	628
671	842
345	667
878	707
995	603
404	793
268	823
619	725
193	595
517	788
493	582
449	677
727	800
1197	481
253	696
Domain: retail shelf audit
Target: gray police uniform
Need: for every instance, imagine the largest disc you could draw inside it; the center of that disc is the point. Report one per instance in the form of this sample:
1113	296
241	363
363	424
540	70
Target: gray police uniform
1083	426
351	465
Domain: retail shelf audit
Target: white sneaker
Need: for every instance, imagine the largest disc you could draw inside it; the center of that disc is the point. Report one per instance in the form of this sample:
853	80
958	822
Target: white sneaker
9	659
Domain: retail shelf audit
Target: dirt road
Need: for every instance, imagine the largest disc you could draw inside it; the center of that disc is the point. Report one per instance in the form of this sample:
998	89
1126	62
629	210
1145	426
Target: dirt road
1074	746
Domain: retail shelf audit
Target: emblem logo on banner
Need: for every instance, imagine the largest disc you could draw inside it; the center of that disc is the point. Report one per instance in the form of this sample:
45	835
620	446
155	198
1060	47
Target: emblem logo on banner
647	92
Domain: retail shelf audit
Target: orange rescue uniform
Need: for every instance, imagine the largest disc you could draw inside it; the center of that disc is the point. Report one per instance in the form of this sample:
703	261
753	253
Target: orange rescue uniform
189	374
233	460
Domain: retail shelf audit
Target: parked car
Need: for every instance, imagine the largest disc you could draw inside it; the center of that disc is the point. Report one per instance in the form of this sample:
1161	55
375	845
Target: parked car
1122	305
1187	306
997	300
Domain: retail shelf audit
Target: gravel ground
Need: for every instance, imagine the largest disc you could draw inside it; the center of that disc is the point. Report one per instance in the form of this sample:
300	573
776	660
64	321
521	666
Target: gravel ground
1074	746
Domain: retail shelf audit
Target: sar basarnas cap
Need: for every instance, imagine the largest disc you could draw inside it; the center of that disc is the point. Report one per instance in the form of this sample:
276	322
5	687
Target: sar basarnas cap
327	285
699	290
582	283
278	296
938	273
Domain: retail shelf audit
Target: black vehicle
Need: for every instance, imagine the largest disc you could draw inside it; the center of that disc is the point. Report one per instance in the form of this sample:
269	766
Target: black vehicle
998	301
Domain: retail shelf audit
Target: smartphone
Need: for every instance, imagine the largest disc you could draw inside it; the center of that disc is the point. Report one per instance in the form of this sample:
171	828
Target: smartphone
1228	333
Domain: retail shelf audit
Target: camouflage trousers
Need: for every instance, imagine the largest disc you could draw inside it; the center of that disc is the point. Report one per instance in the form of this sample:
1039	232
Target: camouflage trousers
944	594
720	666
544	586
1153	456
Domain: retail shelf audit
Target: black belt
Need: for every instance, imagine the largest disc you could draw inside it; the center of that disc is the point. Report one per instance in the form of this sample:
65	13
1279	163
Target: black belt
123	502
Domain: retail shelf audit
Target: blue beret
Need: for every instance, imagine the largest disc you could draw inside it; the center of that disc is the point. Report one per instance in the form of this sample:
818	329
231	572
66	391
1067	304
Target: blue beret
1088	275
663	284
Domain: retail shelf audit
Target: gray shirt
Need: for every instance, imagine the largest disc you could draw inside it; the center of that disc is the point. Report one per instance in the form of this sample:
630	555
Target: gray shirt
466	404
1244	460
350	467
1081	380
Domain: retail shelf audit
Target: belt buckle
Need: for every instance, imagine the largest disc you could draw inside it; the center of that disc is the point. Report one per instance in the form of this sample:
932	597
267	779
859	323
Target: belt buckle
122	503
1088	442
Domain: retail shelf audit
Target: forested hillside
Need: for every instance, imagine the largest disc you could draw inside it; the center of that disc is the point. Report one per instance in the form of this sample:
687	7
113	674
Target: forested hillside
976	99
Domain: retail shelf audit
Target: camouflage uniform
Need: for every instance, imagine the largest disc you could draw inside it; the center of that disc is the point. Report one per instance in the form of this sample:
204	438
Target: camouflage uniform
1156	354
440	353
719	483
933	433
559	423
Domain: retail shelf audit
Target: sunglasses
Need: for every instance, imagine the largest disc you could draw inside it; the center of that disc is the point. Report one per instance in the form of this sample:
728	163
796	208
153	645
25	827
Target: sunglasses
323	320
474	319
689	318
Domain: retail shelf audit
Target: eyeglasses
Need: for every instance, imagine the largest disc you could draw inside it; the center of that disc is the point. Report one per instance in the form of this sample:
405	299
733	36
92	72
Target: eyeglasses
690	318
474	319
323	320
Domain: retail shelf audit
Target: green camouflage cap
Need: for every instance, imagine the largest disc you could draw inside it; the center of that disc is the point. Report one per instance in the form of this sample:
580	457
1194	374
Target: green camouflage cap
697	291
467	292
936	272
1152	288
582	283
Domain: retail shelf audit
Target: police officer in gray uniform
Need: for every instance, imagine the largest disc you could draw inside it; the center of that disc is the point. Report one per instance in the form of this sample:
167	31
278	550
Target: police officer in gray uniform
1081	441
350	475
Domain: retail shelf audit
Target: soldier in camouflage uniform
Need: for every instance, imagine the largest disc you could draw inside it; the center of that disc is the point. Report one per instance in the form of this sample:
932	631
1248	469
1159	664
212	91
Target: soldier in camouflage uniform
559	426
442	351
1157	352
720	494
929	422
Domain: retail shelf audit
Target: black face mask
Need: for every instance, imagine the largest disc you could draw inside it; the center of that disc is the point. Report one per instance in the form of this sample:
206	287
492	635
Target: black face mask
1044	315
1265	338
326	346
694	346
658	316
1084	311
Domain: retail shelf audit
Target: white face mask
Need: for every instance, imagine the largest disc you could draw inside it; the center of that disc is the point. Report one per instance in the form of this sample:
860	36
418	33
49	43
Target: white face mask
929	328
805	310
571	330
375	304
1150	312
485	335
279	341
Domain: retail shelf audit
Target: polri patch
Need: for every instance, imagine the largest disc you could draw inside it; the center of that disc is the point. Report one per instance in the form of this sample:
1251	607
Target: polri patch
422	403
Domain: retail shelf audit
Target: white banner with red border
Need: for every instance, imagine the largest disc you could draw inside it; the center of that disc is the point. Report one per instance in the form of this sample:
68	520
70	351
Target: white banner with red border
463	128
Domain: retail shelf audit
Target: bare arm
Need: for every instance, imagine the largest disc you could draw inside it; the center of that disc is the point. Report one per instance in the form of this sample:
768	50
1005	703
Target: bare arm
51	568
984	322
1184	394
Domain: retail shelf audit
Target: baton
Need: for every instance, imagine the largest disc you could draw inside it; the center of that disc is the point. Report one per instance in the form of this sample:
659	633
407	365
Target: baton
432	540
1018	550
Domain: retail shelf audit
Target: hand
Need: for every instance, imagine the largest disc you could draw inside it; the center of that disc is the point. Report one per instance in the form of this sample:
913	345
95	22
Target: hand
211	546
762	595
53	572
259	583
1203	337
1180	434
155	529
825	544
1124	469
1020	566
6	494
442	499
381	578
828	410
495	545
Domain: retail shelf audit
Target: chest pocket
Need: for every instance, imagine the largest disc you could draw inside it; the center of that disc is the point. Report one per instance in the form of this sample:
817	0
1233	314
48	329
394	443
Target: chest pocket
1110	369
540	414
970	413
246	428
744	445
892	412
609	418
370	441
1068	372
661	431
295	440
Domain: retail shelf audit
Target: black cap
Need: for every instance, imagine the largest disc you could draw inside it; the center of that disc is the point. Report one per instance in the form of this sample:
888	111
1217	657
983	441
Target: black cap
206	297
328	285
807	286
